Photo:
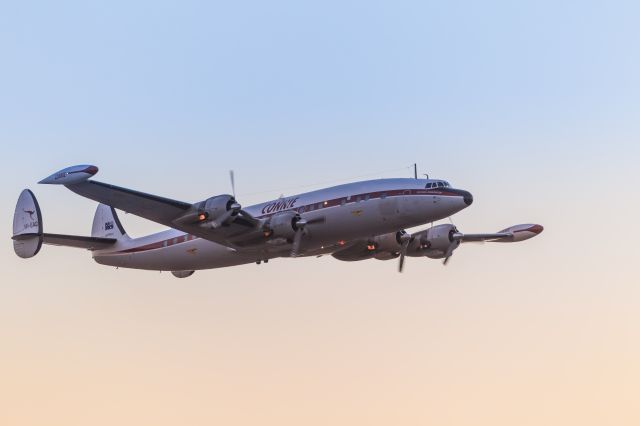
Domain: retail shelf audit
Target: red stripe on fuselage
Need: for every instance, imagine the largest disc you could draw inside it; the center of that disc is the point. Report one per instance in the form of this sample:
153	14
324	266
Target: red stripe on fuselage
352	199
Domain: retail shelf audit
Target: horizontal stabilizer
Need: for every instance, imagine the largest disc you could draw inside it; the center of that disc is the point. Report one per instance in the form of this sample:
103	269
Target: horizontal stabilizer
89	243
77	241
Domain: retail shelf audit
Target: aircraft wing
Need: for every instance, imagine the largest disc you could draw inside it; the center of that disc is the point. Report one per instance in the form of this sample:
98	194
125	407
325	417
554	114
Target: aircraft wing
219	219
509	235
477	238
152	207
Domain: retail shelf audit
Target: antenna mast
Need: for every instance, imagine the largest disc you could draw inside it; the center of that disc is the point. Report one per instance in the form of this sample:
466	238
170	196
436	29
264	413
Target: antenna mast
415	170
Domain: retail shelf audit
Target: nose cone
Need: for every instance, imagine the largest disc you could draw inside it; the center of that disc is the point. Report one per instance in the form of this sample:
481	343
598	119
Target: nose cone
467	197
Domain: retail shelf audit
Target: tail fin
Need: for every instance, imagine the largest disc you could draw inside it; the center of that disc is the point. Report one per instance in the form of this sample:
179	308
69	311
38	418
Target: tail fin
107	225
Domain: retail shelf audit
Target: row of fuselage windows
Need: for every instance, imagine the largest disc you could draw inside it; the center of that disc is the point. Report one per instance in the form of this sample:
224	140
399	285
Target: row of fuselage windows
383	195
178	240
344	201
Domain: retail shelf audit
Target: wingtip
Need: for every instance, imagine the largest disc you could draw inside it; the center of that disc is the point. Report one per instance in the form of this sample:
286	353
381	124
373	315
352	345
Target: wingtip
536	229
70	175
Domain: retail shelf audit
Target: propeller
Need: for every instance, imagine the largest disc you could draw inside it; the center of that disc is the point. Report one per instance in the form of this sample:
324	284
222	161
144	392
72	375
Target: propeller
454	237
227	216
405	240
301	230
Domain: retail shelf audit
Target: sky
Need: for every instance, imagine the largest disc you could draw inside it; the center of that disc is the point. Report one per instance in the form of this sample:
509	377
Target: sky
532	106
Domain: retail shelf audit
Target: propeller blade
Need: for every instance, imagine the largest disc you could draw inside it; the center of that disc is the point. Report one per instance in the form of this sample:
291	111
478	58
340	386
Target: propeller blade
401	262
222	219
449	253
233	183
297	239
405	241
228	216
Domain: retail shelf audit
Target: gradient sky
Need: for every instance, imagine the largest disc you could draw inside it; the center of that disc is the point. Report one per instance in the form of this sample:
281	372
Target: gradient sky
532	106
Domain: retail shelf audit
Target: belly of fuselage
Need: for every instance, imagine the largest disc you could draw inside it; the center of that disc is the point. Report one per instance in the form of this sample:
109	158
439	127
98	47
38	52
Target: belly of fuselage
195	254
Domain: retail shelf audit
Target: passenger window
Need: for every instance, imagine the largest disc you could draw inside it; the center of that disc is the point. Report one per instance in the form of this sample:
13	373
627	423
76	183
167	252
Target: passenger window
428	186
440	185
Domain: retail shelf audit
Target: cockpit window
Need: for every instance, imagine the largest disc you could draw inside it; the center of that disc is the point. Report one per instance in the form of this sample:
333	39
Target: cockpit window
438	184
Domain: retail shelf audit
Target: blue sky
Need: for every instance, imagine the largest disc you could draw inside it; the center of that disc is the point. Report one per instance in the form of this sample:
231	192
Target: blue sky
260	84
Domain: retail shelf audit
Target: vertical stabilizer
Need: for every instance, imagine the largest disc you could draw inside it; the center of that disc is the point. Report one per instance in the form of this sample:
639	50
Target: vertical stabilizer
107	225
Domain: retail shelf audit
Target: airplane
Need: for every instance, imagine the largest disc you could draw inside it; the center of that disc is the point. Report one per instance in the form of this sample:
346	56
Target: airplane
351	222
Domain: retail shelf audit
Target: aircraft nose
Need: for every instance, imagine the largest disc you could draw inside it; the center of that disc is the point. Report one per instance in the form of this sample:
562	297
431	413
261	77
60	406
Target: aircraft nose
467	197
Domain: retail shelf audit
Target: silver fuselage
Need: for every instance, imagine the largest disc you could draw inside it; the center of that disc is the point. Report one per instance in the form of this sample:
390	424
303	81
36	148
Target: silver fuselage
353	211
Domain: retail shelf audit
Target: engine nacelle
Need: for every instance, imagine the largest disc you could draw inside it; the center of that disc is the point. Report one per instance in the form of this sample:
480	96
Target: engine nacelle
388	246
282	225
215	209
438	242
217	206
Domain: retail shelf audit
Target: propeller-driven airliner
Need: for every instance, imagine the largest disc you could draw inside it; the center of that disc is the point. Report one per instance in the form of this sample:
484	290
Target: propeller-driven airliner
351	222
